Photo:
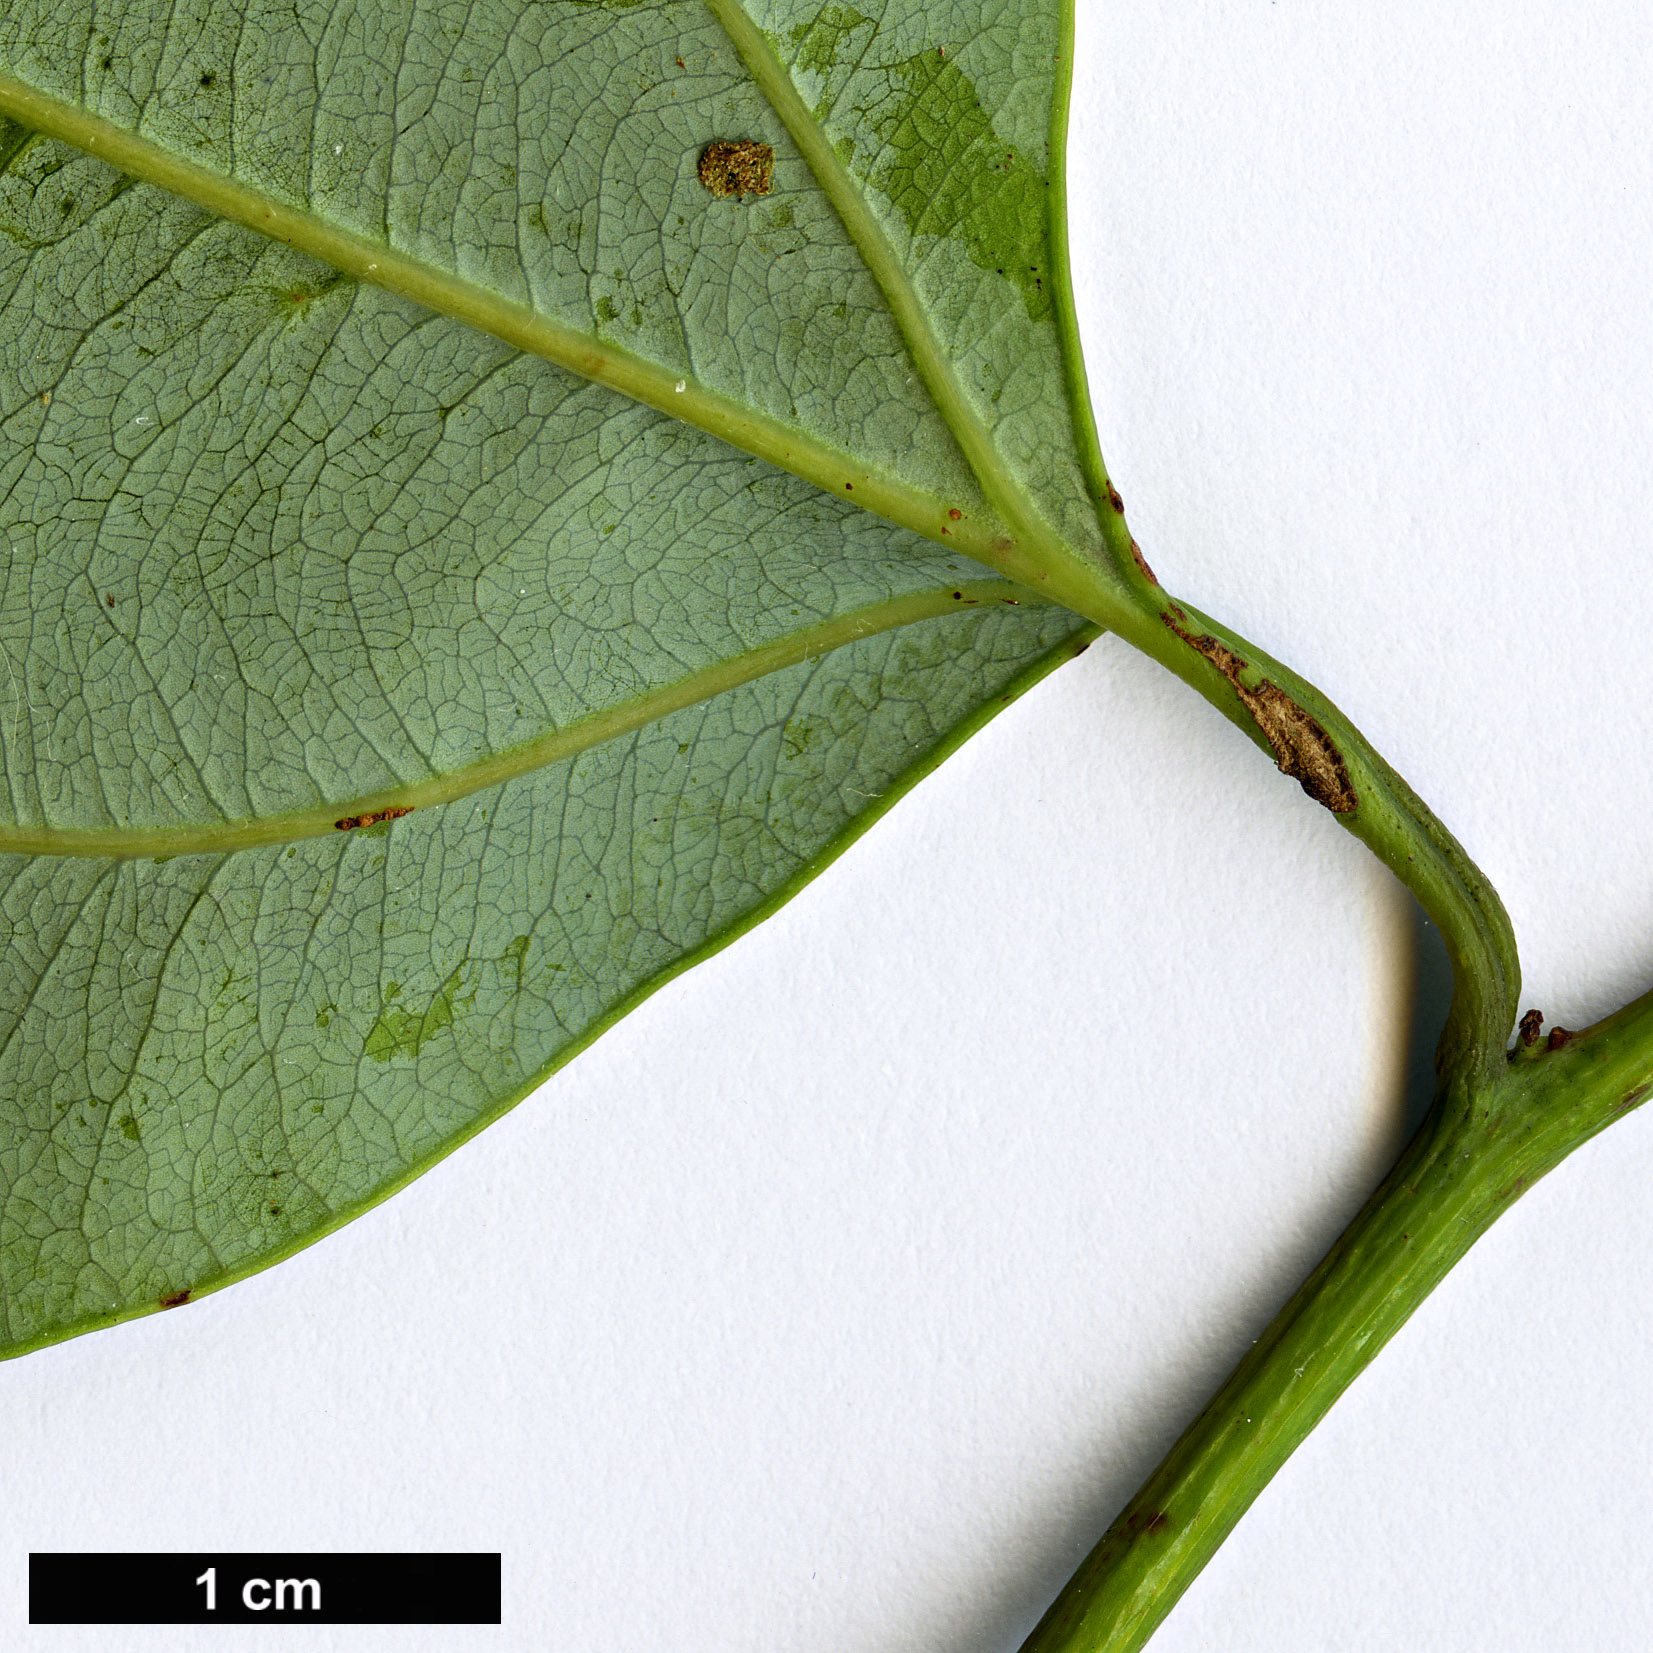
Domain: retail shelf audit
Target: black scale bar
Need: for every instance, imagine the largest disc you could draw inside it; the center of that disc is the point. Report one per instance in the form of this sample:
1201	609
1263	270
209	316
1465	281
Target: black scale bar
263	1589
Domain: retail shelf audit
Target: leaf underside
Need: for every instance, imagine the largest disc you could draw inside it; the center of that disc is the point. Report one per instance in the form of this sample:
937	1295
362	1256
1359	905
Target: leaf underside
287	547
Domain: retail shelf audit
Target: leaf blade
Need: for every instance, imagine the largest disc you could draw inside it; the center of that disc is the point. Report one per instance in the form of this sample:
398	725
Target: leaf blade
429	524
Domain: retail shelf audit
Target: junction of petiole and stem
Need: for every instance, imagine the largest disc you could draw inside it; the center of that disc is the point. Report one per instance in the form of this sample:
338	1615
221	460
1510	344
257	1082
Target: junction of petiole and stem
1485	1141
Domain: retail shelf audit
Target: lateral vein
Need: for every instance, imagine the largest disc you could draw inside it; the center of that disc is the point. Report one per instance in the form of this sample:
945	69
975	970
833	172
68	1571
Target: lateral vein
1002	491
217	837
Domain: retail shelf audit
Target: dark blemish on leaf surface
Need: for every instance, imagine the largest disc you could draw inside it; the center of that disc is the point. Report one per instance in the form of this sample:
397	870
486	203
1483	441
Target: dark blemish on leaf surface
1302	748
737	168
1529	1027
1142	564
1559	1037
349	823
1116	499
175	1299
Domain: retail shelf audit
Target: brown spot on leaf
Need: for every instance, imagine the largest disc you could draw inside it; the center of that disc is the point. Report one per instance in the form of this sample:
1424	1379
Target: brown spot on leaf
349	823
1527	1030
175	1299
1302	748
1142	564
954	514
110	599
1116	499
736	168
1559	1036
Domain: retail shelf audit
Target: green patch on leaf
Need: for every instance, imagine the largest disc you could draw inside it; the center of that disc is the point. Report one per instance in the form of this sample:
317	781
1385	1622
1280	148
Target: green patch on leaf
403	1033
953	177
834	33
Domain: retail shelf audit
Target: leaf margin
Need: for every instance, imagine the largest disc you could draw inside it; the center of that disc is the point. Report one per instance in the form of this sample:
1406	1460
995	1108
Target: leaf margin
1075	644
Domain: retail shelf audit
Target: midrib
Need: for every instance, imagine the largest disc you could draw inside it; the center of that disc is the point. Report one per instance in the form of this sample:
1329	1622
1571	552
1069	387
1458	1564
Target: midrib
560	744
840	474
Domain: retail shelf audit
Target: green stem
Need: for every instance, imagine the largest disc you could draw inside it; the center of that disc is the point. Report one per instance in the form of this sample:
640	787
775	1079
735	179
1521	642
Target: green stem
1480	1149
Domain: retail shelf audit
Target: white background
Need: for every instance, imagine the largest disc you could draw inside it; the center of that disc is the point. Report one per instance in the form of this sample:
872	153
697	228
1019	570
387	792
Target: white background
838	1299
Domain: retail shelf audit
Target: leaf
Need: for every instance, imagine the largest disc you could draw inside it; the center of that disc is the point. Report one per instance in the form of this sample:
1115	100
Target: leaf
470	555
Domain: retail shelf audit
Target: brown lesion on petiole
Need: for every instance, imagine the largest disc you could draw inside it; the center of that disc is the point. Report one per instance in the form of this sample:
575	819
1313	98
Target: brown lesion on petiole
1301	746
